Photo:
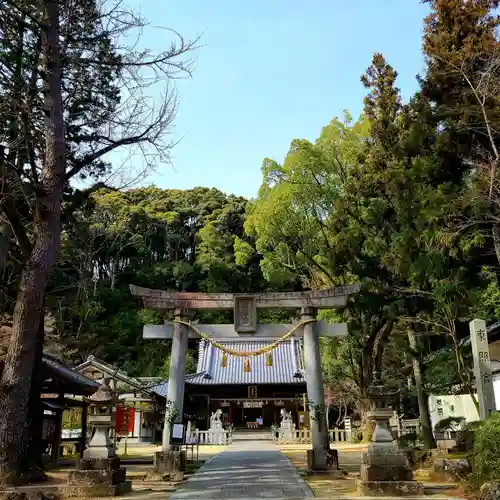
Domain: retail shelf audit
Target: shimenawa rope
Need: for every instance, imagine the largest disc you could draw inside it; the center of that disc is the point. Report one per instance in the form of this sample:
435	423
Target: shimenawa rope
245	354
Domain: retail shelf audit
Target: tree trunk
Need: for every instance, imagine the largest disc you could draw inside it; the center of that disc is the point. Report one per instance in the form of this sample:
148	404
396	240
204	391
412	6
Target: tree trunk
4	246
32	462
423	402
15	384
496	240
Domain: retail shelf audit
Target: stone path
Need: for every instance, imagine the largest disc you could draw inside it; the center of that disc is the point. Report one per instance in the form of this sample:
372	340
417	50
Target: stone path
247	470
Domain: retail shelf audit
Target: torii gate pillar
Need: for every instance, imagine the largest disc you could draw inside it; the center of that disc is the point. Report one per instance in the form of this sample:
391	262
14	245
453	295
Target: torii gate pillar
176	376
315	391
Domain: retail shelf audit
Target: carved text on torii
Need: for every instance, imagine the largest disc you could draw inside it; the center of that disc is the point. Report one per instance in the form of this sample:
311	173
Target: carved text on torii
245	314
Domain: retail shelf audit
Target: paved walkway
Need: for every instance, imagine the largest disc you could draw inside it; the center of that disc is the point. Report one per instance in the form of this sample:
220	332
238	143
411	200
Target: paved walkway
247	470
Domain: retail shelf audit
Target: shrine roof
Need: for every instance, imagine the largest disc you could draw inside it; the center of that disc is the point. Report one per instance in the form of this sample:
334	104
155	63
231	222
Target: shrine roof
286	364
161	388
73	381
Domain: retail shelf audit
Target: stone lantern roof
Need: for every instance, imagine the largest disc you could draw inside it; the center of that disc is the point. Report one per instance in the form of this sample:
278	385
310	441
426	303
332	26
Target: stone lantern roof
378	393
104	395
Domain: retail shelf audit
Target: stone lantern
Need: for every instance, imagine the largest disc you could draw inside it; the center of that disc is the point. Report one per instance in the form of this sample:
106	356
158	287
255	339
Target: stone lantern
98	473
384	468
102	417
381	399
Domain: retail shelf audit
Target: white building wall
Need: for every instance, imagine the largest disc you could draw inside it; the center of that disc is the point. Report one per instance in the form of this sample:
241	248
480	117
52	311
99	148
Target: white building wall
137	423
460	405
441	407
496	390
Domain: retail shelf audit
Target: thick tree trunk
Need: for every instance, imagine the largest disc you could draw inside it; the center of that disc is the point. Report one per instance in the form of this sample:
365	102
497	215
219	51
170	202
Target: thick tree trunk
15	384
423	402
32	462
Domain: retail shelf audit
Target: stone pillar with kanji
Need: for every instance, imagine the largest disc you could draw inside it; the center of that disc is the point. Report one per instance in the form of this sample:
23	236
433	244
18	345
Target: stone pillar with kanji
482	368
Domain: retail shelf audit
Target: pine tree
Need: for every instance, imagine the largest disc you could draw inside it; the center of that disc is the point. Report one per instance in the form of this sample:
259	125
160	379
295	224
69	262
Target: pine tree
459	42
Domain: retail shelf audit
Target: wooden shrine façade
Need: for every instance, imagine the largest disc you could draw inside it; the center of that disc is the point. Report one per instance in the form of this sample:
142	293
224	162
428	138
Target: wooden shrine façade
248	399
244	367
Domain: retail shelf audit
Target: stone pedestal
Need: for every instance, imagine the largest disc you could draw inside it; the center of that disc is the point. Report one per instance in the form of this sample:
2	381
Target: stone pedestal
98	473
101	445
287	432
168	465
385	473
384	468
97	477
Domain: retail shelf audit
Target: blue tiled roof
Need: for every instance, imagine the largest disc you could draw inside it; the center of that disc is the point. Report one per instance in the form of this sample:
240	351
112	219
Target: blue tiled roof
160	389
286	367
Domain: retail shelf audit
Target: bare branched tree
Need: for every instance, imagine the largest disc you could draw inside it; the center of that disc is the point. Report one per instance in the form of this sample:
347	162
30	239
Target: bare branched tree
483	188
76	84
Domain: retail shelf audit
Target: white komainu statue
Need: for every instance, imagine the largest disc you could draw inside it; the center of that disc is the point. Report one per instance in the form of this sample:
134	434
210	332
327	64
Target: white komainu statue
216	435
285	418
215	421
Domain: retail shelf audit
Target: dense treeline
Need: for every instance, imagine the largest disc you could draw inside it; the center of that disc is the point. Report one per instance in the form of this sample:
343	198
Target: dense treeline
167	239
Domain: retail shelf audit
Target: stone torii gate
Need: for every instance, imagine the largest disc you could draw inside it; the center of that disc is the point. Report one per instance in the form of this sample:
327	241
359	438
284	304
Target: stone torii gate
245	325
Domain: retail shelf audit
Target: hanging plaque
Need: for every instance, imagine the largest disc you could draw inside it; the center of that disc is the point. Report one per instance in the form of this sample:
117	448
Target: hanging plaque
252	404
245	314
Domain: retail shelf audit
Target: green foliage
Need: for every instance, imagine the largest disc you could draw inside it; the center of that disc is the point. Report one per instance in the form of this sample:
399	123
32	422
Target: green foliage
164	370
408	441
402	200
166	239
488	303
357	437
485	457
467	436
376	201
449	424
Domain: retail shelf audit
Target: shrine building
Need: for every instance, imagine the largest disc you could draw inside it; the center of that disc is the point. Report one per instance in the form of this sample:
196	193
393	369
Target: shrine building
248	399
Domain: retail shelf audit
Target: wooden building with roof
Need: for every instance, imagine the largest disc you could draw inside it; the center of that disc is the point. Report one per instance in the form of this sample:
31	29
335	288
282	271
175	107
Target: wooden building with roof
61	389
251	398
144	404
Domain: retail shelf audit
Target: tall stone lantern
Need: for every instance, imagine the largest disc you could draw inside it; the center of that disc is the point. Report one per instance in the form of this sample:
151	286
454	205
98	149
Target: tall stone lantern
98	473
102	417
384	468
381	399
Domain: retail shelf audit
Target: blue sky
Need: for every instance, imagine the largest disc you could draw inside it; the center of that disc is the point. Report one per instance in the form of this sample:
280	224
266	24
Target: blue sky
271	71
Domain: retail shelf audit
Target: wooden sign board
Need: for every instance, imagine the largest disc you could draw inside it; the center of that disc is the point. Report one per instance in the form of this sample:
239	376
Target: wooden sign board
177	433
